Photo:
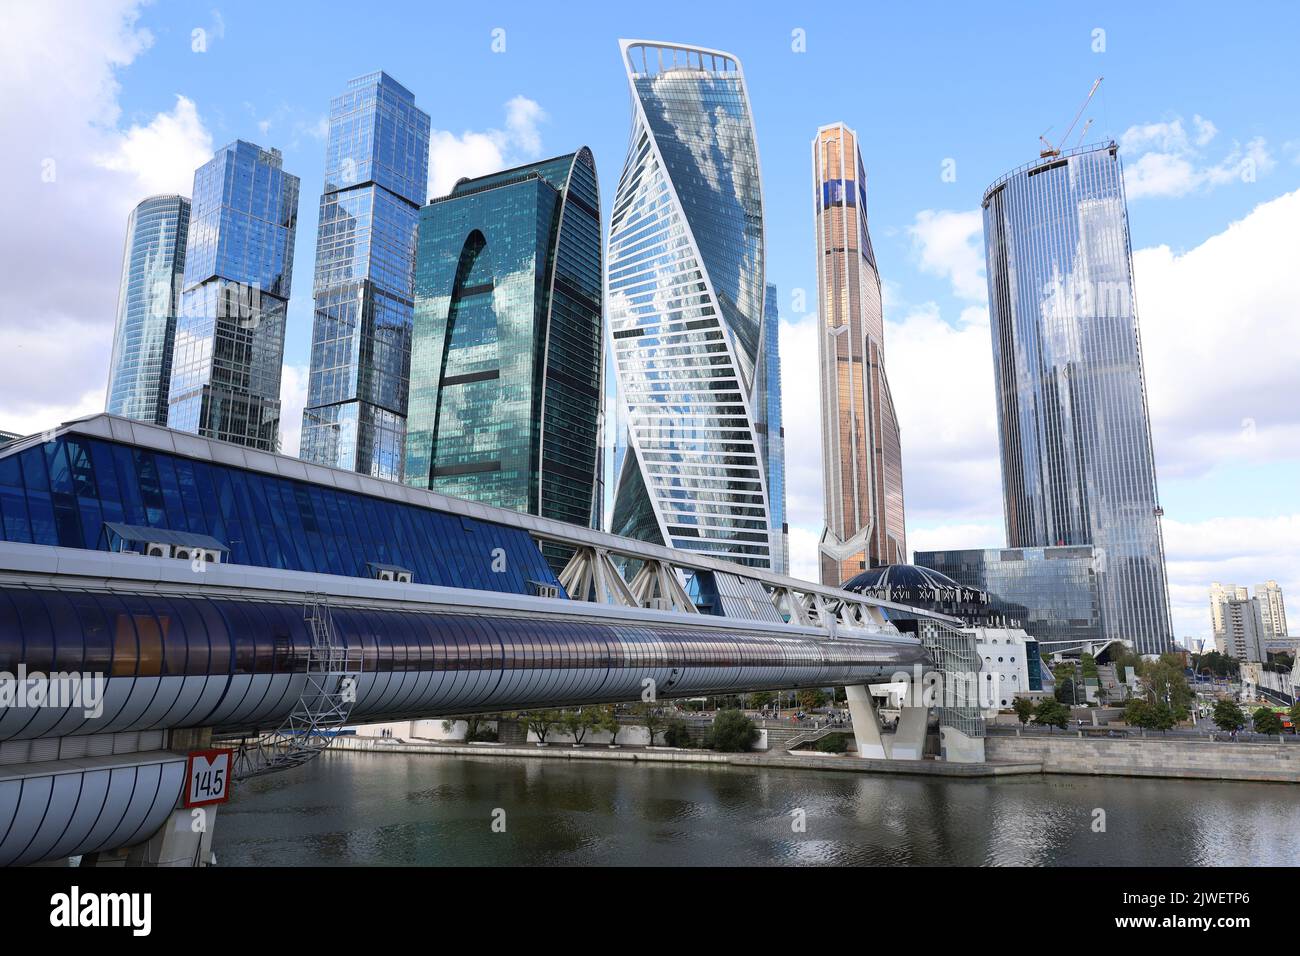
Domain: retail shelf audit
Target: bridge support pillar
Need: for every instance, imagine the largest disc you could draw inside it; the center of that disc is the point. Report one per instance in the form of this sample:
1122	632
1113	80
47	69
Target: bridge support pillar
866	722
906	742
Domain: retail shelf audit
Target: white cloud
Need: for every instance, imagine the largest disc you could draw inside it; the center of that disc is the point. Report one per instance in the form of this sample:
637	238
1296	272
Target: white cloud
1230	550
476	153
163	155
950	244
1221	341
1163	159
293	399
74	174
941	378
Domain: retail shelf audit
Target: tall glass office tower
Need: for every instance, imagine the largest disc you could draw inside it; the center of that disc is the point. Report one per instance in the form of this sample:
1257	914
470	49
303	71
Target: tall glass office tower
140	372
376	174
862	455
686	289
238	270
771	431
1077	464
506	360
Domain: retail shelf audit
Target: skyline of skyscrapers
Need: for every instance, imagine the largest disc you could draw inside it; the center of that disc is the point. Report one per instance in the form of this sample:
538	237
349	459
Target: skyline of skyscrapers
376	176
1073	425
686	288
506	362
695	331
1239	621
862	458
229	349
153	264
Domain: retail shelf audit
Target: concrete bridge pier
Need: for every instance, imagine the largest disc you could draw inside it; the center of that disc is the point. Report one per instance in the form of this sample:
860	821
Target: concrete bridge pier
907	742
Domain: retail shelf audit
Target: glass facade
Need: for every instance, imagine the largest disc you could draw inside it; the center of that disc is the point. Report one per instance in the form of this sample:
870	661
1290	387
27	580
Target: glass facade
1053	593
506	362
238	270
771	430
686	289
862	452
1077	463
153	263
376	174
63	491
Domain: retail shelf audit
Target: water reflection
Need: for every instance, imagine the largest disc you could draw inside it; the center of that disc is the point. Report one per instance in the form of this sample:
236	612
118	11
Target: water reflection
414	810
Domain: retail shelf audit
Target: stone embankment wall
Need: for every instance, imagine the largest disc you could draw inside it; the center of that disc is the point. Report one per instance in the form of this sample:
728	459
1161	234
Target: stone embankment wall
1151	757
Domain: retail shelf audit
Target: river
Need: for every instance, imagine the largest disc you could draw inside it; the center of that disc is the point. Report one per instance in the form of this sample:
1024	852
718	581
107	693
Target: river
358	809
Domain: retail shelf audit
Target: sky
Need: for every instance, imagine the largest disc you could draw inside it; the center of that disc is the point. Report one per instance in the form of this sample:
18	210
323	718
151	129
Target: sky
103	103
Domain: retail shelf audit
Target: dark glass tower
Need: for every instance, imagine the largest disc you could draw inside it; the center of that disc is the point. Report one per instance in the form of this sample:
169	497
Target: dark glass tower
153	263
1077	464
506	358
238	269
376	174
771	430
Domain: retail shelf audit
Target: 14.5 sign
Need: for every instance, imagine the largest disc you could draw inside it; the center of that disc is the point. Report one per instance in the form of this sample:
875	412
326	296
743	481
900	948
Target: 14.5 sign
207	777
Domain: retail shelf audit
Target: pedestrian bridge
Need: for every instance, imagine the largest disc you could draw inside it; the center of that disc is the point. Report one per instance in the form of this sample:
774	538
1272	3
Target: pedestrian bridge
199	589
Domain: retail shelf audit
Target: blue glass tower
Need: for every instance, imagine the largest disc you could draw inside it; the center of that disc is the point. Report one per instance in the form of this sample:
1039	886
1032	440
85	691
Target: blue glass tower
1077	463
238	269
771	430
506	362
140	372
376	175
686	289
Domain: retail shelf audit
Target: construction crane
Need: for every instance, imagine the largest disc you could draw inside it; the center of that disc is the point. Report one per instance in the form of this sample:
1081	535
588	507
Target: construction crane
1050	150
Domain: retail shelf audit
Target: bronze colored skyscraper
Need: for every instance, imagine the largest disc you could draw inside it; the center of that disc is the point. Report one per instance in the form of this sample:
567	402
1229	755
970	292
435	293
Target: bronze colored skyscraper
862	458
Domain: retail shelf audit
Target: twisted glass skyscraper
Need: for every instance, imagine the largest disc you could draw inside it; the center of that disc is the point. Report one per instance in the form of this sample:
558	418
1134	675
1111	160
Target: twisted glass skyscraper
1077	463
238	269
686	290
862	455
153	264
506	361
376	174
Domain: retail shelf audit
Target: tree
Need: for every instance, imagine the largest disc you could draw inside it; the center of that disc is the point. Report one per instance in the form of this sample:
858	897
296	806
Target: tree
761	699
1220	665
578	722
1267	721
1163	717
609	723
677	734
474	729
651	716
1294	714
732	732
1138	713
1065	692
1052	713
1024	708
1088	664
1228	716
810	698
540	722
1166	682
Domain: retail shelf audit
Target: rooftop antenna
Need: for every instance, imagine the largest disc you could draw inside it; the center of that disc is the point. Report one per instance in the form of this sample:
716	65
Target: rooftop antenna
1048	149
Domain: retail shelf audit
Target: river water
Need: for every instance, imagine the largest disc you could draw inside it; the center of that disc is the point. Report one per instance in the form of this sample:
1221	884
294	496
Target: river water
422	810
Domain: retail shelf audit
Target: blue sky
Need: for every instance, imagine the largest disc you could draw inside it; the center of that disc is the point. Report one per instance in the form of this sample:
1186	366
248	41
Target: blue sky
1203	99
